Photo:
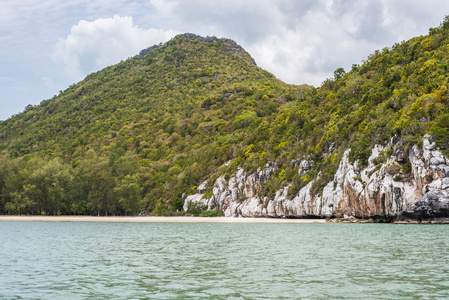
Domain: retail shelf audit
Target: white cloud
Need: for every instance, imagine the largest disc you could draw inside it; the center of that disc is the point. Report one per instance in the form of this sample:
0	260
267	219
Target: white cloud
304	41
94	45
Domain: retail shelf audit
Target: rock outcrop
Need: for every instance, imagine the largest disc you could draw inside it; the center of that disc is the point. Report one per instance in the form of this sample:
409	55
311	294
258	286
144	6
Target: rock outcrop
232	45
376	191
147	50
432	171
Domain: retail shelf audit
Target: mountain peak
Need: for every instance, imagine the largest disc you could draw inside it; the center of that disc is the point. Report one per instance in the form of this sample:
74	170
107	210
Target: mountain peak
192	36
233	47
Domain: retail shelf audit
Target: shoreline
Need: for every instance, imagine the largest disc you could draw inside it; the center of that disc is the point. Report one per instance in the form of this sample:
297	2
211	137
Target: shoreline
155	219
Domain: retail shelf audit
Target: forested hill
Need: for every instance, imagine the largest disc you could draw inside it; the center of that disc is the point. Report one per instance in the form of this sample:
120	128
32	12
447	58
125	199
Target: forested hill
161	121
143	134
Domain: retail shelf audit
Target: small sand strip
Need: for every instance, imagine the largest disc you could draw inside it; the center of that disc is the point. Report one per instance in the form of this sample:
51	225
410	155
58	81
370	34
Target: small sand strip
156	219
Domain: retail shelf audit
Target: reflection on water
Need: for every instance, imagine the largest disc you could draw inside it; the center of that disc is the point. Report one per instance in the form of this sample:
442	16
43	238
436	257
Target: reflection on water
222	261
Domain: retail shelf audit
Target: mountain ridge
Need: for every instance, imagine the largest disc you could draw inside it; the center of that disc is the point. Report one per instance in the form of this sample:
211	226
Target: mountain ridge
234	47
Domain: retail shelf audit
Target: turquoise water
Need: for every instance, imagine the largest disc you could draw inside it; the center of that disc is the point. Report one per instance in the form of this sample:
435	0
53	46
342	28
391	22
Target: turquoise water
58	260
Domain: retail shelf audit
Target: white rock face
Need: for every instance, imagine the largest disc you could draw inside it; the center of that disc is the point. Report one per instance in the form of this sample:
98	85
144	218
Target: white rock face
304	167
192	199
352	192
202	187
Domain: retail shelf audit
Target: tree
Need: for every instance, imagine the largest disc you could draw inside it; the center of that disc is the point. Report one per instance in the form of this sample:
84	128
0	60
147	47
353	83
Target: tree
35	185
441	132
100	183
49	184
129	192
339	73
7	166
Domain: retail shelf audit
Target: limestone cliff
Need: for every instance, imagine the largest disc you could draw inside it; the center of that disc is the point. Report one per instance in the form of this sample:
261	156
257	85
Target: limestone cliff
375	191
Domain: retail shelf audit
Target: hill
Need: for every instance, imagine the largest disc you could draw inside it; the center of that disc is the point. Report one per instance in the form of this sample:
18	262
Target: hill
174	113
194	125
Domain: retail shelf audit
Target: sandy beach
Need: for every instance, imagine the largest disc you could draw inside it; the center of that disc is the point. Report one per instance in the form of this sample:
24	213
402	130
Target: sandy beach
156	219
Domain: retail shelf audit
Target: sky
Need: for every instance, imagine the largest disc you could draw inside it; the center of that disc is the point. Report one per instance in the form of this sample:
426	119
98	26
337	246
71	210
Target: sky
48	45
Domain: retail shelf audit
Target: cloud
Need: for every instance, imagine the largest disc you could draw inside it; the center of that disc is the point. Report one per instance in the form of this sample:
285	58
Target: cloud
247	20
91	46
298	41
304	41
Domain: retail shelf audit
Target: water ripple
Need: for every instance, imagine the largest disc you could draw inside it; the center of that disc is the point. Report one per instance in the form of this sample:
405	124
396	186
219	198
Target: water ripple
222	261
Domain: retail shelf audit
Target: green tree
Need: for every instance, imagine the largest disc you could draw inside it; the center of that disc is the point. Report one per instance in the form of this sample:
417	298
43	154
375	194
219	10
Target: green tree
37	186
7	168
441	132
50	185
339	73
97	175
129	192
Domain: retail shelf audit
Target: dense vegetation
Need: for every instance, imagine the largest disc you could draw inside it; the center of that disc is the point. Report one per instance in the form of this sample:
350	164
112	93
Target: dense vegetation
142	134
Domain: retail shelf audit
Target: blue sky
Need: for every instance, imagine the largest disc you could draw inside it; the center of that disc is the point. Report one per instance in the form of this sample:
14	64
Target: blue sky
47	45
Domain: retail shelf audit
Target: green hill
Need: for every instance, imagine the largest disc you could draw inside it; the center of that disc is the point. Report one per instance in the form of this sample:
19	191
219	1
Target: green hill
143	134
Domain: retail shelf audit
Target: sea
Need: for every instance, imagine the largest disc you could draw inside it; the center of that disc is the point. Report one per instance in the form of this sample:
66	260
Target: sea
85	260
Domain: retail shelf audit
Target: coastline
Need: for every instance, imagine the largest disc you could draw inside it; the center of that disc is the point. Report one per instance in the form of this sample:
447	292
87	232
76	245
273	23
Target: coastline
155	219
